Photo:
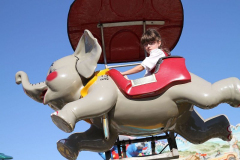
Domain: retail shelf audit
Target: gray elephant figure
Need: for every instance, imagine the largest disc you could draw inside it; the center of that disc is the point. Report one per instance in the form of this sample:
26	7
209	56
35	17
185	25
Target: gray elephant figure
171	110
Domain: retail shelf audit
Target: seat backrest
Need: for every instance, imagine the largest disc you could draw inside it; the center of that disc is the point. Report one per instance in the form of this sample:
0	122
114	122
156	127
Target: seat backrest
161	60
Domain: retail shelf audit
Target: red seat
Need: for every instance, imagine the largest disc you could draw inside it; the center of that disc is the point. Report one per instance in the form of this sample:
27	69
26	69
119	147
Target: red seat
172	72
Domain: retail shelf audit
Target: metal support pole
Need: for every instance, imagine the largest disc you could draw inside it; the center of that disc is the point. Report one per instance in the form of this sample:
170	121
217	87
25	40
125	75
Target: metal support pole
119	149
124	150
105	126
144	30
144	26
153	146
108	155
103	47
171	141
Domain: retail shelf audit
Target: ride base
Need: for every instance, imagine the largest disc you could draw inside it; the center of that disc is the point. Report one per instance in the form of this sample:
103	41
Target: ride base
173	154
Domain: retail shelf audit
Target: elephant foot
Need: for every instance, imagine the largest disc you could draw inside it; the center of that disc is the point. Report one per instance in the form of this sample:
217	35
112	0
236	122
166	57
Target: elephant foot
224	128
66	151
65	123
230	136
227	136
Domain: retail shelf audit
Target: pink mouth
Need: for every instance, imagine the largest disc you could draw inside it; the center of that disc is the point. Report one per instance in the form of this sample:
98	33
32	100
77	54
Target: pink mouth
43	95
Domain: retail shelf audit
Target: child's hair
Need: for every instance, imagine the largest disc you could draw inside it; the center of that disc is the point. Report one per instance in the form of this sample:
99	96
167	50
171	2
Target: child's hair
152	35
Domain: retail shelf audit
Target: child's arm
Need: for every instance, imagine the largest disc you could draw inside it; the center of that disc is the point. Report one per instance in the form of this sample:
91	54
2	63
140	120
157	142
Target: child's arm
136	69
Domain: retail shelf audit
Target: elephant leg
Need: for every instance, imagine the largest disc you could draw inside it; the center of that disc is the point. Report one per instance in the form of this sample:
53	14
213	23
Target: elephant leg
206	95
94	104
91	140
196	130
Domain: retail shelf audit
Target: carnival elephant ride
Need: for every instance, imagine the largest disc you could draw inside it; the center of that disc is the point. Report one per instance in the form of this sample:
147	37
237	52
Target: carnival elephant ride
136	108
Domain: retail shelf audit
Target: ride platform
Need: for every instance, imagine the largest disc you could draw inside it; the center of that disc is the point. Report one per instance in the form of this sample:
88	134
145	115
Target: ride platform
173	154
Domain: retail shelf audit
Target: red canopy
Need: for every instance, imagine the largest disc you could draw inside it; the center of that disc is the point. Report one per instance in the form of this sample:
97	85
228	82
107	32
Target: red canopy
122	43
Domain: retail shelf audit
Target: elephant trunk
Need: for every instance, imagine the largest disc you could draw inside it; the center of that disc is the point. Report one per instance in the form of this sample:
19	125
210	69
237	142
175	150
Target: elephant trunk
34	91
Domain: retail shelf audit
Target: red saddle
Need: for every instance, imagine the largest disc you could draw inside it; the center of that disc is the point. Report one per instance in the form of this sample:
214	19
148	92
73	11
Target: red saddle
169	72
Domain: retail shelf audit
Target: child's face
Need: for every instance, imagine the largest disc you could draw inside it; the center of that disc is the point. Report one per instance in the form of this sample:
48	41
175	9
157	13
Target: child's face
151	45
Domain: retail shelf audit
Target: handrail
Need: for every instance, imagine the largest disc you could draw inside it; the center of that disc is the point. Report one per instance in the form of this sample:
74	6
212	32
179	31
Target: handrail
130	23
124	65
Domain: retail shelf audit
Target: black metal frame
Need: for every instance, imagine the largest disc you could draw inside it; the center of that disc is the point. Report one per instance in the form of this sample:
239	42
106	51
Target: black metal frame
169	136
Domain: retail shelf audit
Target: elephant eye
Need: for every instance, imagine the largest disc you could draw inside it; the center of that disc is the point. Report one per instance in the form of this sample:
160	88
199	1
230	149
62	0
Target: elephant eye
51	70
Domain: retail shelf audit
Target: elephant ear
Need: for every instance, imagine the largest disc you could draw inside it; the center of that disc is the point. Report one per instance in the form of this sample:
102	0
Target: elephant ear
88	52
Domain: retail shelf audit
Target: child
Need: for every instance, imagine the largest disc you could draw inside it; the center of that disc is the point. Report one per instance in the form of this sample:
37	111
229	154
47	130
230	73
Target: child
151	41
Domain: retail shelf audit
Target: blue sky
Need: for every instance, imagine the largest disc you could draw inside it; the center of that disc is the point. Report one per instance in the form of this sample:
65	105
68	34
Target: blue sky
33	34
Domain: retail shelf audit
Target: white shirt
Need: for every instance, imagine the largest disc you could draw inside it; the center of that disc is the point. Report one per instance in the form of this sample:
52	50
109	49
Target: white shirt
150	62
